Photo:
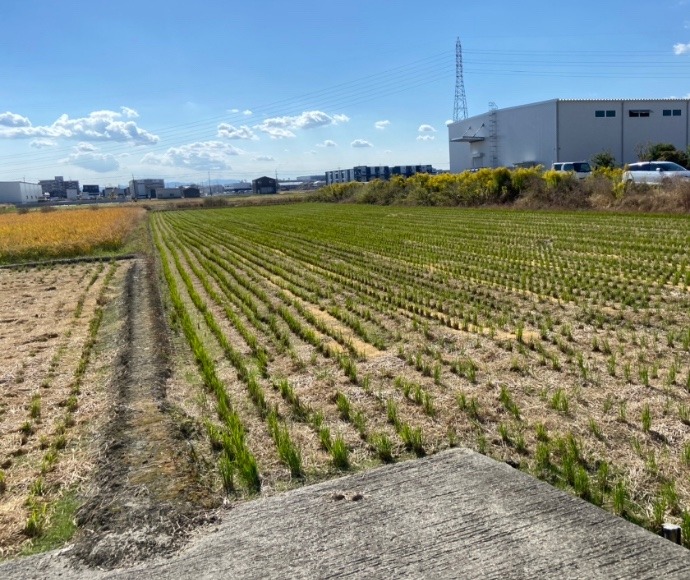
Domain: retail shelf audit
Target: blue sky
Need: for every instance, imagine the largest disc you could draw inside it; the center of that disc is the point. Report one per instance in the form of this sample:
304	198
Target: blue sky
101	91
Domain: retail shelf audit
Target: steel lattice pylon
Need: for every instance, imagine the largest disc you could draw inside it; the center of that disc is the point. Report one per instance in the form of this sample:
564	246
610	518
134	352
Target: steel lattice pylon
460	108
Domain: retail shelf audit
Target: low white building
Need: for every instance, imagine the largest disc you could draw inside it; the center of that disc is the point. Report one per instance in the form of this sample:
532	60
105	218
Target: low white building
567	130
145	188
18	192
169	193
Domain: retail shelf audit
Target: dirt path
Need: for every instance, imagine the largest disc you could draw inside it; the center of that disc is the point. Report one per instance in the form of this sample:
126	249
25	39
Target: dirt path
146	493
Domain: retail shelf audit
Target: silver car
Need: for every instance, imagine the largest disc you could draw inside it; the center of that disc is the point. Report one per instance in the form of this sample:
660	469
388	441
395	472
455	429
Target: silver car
654	172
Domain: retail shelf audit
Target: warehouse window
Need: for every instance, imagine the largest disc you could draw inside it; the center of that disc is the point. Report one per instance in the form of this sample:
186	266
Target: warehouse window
610	113
599	113
676	112
639	113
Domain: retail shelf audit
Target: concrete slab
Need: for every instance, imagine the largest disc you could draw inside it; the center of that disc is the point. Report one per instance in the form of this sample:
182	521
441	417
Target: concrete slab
457	514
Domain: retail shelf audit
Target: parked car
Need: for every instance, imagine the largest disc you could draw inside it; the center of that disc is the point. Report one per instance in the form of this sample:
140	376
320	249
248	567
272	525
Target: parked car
654	172
581	169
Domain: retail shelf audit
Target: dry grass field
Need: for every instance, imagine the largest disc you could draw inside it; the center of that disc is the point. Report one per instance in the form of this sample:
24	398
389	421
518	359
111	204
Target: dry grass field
51	390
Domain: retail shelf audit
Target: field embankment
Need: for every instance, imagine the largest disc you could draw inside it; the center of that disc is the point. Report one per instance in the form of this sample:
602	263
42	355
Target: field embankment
521	188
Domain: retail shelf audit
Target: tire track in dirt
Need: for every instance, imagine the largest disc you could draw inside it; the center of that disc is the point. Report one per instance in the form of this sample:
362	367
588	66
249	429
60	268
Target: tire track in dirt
146	495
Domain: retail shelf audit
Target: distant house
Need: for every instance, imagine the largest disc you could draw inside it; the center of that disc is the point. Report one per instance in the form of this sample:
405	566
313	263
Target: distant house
265	185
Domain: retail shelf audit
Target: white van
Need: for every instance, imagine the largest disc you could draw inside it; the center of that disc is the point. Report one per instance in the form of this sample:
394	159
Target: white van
581	169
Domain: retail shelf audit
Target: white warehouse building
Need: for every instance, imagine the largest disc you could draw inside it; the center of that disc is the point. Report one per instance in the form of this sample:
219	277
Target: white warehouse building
20	192
566	130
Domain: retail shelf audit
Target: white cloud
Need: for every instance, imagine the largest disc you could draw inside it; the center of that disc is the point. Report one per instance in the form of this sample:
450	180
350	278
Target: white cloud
231	132
129	113
204	155
13	120
234	111
360	143
97	126
280	127
42	143
247	113
426	137
382	124
327	143
681	48
277	132
88	156
426	129
263	158
449	122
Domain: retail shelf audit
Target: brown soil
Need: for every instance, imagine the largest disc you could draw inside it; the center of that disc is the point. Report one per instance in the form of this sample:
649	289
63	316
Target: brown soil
146	494
128	452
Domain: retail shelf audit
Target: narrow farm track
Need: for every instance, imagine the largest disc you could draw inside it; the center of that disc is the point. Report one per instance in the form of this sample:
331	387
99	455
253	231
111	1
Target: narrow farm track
146	494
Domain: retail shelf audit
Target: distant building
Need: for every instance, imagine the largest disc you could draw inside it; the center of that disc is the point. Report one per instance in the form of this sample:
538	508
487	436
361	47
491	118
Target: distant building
58	187
112	192
240	187
290	185
91	189
310	178
145	188
265	185
18	192
191	191
567	130
410	170
169	193
365	173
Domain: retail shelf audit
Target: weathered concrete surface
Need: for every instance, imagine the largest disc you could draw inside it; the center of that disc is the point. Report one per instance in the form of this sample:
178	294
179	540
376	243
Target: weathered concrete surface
455	515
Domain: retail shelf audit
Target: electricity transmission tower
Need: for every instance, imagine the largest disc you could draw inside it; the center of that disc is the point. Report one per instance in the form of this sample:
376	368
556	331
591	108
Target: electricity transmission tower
460	108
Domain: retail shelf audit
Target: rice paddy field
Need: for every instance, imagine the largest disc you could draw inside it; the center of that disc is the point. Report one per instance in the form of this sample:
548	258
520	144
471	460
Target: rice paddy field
327	338
299	342
65	233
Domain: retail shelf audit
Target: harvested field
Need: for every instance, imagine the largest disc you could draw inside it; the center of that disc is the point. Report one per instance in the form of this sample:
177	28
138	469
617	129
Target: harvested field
51	398
88	438
330	338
